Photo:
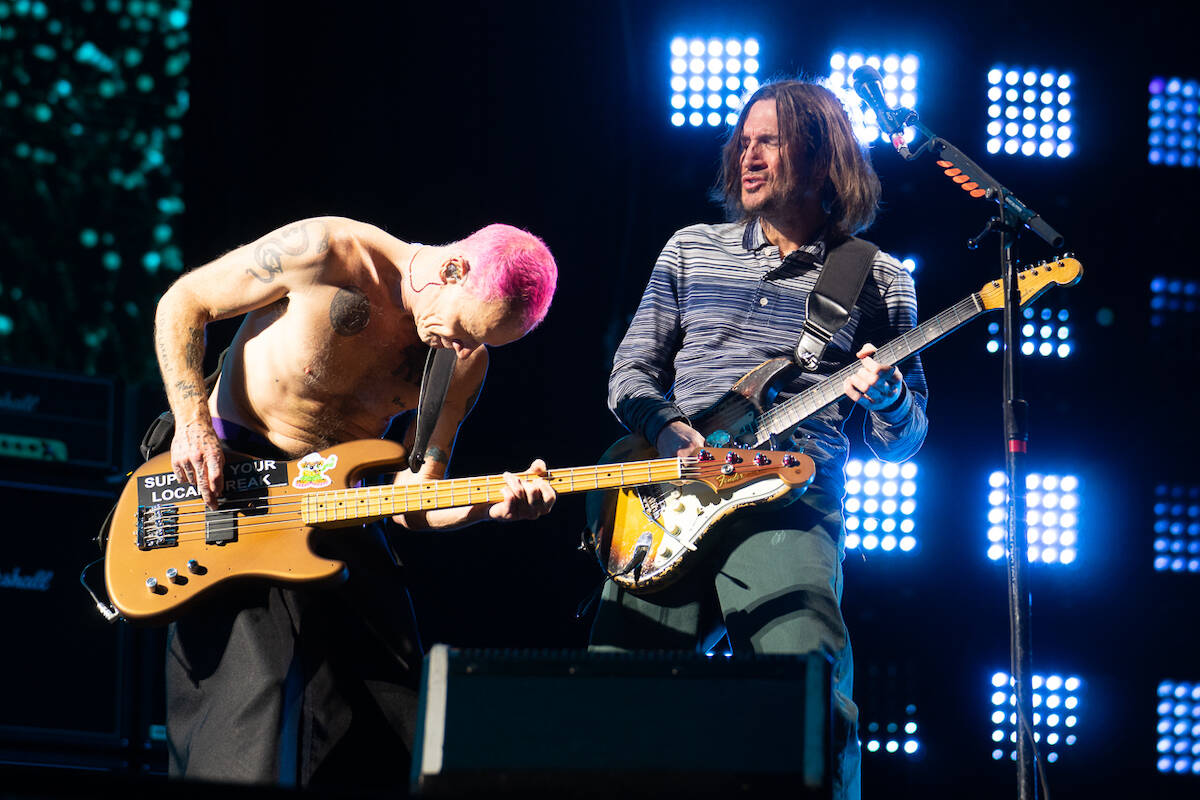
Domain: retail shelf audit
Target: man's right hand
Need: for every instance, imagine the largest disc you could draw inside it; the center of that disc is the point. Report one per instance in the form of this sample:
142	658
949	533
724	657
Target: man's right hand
678	440
197	458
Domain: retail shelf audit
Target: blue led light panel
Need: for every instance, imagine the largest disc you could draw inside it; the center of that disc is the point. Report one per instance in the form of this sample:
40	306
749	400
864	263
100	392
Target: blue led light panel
710	78
1171	299
1044	332
880	503
895	738
1029	112
1174	121
1051	517
1178	728
1055	702
1176	528
899	75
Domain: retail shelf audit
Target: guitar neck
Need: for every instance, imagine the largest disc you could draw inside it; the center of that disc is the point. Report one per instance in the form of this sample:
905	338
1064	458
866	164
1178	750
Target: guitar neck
800	407
374	502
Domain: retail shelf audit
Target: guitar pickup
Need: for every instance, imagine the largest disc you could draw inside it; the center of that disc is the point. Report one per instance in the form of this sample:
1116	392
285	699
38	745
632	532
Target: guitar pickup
220	526
157	526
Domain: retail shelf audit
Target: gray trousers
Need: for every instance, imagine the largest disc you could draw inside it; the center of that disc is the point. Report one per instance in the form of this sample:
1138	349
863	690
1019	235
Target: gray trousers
772	581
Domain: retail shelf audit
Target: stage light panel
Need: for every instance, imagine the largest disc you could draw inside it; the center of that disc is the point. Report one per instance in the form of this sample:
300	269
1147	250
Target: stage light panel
879	506
899	74
1177	528
1045	332
1171	299
1051	517
709	79
1056	702
895	737
1174	122
1029	112
1178	727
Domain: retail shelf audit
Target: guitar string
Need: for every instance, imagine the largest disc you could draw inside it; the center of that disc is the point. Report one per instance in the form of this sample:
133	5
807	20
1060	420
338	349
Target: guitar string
190	529
438	487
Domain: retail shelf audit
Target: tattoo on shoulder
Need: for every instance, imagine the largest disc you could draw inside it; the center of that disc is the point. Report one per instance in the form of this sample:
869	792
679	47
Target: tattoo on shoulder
350	311
269	253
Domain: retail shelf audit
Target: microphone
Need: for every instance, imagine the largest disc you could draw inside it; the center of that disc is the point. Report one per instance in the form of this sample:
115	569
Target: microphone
868	84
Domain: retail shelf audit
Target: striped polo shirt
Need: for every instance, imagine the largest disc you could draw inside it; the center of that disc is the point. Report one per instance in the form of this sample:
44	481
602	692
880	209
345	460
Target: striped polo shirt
721	301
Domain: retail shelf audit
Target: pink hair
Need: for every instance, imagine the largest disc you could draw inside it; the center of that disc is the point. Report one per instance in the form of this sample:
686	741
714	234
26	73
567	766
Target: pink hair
514	266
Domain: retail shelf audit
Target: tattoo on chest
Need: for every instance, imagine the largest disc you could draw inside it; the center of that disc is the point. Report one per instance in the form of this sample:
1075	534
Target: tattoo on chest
412	363
269	253
350	311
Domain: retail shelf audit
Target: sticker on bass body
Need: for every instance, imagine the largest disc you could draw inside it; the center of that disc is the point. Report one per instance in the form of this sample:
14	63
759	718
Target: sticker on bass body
312	471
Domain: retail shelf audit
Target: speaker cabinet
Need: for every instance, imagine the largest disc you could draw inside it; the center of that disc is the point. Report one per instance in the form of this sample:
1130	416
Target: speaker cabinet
63	670
575	722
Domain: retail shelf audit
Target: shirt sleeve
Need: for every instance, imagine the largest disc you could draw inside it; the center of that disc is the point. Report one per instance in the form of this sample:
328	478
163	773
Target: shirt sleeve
643	367
897	434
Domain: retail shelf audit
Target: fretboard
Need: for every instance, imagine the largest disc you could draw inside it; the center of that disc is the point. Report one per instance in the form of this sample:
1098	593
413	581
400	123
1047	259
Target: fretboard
796	409
373	502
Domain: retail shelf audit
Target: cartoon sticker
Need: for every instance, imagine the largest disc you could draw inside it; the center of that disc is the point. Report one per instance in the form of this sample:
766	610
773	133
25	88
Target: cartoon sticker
312	471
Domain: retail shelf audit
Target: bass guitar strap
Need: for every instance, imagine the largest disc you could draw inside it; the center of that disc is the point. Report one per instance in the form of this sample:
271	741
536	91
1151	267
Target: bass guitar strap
831	300
439	368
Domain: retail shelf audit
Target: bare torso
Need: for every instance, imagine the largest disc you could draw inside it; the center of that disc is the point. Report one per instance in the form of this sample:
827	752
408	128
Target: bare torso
329	362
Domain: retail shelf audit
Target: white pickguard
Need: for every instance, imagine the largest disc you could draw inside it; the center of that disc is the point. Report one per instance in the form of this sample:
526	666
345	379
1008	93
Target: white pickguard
690	509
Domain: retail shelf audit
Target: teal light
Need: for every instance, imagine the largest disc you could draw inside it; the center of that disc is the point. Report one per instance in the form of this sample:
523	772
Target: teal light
111	261
88	237
162	233
145	83
177	18
152	261
63	87
41	112
133	57
45	52
6	325
132	309
22	149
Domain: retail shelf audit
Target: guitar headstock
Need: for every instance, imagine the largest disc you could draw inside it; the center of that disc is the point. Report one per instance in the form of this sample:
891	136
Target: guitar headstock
1032	282
722	468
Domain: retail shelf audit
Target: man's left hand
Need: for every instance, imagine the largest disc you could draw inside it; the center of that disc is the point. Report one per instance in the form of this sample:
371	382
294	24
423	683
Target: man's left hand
527	496
873	386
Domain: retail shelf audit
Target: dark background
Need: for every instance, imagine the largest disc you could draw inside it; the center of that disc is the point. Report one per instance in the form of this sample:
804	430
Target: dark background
431	122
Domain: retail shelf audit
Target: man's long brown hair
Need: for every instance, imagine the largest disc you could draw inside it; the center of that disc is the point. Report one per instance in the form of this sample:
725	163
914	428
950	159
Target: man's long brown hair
817	148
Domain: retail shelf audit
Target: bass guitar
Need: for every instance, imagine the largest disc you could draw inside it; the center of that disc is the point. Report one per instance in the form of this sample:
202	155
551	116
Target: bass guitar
166	548
660	526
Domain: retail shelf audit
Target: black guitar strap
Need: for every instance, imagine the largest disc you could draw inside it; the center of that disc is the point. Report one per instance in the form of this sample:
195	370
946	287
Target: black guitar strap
439	368
831	300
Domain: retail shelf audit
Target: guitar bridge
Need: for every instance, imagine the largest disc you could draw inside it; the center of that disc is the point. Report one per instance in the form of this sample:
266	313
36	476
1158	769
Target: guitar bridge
157	526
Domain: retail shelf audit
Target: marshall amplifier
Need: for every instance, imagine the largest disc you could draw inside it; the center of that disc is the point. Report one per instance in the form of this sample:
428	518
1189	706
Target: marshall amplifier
647	723
64	671
62	417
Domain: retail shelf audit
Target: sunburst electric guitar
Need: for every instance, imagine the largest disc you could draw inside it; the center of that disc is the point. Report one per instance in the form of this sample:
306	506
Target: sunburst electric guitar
660	527
165	548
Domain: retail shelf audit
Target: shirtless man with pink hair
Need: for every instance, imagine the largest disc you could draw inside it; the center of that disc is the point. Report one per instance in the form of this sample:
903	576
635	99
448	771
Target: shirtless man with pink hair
285	686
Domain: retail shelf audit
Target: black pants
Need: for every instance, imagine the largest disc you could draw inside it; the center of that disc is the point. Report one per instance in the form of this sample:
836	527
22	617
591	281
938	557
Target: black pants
311	687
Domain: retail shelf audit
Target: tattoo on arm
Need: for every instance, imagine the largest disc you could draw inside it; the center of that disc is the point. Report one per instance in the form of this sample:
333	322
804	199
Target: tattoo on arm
193	354
268	254
434	453
188	390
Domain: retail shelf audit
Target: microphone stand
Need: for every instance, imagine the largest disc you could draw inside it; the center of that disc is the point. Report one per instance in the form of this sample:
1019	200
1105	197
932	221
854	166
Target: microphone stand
1012	216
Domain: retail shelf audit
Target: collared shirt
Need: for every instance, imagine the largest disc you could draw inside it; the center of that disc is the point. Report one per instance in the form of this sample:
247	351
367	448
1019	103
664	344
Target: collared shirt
720	302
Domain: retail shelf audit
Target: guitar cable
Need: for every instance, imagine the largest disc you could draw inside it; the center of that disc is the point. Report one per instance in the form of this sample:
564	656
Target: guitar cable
106	610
